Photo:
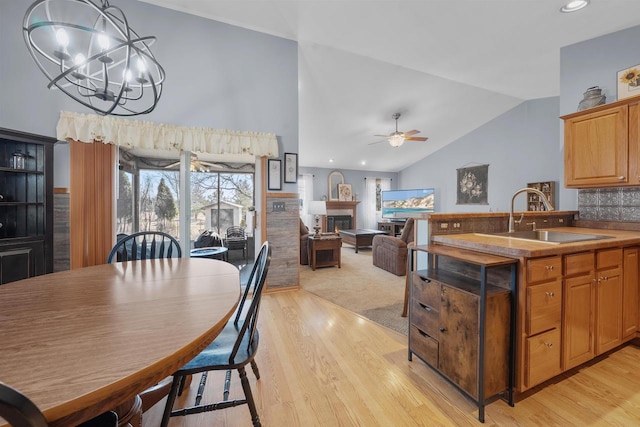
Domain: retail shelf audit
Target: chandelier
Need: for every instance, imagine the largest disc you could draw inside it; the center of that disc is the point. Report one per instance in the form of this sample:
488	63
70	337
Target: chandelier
90	53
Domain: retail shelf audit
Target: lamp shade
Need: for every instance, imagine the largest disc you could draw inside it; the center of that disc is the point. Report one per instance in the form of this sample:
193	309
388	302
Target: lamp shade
396	140
317	207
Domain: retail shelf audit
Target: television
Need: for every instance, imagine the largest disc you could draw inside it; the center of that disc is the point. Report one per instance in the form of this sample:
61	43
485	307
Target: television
398	205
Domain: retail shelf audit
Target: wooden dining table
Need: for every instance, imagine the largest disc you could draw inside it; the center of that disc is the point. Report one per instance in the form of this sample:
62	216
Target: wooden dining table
85	341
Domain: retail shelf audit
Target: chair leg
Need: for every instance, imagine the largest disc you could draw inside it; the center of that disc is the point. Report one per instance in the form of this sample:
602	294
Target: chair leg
256	372
255	419
171	398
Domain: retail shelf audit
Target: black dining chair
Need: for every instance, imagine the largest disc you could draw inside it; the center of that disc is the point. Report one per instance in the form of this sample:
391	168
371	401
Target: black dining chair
19	411
233	348
144	245
236	238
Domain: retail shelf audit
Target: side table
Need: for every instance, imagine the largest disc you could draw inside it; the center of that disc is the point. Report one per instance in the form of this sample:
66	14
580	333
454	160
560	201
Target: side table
324	251
213	252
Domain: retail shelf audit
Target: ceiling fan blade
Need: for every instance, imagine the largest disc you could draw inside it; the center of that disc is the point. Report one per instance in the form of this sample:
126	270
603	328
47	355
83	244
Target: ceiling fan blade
211	165
377	142
416	138
172	165
383	136
411	132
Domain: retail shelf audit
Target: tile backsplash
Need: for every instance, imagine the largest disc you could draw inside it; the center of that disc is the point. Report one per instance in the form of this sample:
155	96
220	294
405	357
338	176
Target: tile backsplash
610	204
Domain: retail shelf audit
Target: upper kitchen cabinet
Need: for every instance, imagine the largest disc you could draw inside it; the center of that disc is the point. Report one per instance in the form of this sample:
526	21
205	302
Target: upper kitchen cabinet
601	146
26	205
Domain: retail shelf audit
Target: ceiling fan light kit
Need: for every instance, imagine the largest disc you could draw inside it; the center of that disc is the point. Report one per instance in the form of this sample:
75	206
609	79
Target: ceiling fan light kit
397	138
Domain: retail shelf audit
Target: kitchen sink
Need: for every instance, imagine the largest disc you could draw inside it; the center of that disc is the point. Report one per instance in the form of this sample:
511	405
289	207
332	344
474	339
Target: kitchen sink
550	236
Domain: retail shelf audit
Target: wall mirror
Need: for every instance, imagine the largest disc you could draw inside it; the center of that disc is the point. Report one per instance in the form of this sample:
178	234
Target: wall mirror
335	178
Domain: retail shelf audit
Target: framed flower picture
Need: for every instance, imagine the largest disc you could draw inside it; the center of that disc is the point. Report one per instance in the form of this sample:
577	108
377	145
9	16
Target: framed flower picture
344	193
473	185
290	167
274	174
629	82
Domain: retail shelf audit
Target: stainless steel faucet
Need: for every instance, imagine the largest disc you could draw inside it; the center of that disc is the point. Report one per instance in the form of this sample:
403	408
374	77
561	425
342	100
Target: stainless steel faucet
543	199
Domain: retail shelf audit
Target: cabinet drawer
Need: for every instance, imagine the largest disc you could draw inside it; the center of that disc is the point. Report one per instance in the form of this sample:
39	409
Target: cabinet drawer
608	258
544	307
426	291
578	264
542	353
424	346
424	317
544	269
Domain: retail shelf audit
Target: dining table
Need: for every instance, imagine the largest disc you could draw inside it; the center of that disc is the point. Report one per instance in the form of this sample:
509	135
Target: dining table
85	341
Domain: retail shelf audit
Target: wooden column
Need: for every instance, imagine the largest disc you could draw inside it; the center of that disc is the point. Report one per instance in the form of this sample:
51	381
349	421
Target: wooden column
91	202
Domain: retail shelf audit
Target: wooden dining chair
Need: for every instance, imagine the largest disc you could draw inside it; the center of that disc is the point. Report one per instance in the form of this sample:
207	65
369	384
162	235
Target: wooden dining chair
233	348
144	245
19	411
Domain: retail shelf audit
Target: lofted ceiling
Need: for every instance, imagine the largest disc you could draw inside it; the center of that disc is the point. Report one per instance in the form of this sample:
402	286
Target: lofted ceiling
448	66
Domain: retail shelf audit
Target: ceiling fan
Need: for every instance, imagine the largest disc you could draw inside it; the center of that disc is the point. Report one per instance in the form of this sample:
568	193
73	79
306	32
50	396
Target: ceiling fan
197	165
396	139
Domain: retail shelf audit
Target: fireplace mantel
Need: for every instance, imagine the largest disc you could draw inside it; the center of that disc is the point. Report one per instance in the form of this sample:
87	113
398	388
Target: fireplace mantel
333	205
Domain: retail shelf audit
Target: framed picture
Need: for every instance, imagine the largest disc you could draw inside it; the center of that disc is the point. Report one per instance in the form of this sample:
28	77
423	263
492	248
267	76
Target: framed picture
629	82
473	185
274	174
344	193
290	167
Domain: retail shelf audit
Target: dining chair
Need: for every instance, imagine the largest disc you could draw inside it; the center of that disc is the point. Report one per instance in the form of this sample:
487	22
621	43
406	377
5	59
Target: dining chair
19	411
144	245
233	348
236	238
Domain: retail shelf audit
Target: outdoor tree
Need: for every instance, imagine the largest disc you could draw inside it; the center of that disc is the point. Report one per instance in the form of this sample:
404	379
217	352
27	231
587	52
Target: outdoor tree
146	204
165	208
125	202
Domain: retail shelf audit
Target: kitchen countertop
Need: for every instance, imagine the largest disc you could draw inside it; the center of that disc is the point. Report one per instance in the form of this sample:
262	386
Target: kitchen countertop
519	248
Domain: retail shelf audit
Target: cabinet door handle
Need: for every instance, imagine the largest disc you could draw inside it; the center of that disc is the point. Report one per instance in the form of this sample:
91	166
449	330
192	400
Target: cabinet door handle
443	329
604	278
549	267
549	294
621	178
426	307
548	344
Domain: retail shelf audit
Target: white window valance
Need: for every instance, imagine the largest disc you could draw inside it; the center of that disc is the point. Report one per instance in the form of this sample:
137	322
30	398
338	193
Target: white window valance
157	136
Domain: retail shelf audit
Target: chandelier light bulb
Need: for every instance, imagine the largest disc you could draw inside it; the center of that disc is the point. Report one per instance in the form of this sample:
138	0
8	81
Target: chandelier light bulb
142	67
62	38
79	59
103	41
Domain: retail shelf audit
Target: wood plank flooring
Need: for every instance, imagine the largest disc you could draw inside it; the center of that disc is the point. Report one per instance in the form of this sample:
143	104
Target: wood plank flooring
322	365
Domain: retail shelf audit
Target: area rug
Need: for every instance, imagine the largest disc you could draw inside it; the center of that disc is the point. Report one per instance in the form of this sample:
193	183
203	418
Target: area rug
360	287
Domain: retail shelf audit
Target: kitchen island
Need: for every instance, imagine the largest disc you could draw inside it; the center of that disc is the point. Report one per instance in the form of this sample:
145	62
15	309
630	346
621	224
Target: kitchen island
575	300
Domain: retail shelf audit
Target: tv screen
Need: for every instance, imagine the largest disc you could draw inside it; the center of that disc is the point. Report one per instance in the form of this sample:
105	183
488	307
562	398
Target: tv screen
403	204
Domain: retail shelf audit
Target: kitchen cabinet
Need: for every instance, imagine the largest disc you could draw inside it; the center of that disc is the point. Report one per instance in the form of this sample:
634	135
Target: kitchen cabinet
453	318
593	304
630	293
26	205
543	319
601	146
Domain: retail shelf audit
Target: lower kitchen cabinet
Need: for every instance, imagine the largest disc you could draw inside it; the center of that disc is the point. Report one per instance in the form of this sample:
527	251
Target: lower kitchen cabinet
450	329
630	301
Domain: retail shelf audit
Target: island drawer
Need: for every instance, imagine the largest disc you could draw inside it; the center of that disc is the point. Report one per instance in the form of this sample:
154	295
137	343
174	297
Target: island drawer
426	291
424	317
581	263
544	269
542	356
544	307
424	346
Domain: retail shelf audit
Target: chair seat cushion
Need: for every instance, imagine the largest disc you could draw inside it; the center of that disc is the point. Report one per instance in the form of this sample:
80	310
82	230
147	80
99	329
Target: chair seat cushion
216	355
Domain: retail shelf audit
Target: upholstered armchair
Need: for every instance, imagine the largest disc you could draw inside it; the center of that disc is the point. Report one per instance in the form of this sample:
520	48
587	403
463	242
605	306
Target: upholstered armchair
304	244
390	253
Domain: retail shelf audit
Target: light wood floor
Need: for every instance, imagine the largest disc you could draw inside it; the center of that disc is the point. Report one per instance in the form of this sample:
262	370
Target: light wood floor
322	365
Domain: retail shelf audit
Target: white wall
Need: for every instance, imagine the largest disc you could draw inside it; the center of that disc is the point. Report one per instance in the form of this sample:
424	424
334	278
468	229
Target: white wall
519	146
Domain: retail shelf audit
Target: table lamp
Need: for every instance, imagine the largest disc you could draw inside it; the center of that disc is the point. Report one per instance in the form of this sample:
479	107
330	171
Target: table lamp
317	208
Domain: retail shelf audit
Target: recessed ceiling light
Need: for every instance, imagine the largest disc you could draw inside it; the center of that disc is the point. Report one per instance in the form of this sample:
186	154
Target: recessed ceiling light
364	162
574	5
330	160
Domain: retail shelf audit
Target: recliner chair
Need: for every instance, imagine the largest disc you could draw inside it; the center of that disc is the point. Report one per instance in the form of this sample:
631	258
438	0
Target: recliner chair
390	253
304	244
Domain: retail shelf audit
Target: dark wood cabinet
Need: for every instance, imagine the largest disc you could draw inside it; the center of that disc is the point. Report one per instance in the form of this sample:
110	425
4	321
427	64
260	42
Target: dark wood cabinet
26	205
460	324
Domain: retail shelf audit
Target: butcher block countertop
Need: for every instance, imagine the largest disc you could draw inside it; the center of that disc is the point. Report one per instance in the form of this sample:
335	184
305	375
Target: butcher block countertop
520	248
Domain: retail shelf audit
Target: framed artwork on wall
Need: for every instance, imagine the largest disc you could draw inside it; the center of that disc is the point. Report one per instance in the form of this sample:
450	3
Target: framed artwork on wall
344	193
274	177
473	185
290	167
629	82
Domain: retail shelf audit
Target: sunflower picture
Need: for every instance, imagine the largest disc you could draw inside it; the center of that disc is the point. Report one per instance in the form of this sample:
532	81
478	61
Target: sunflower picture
629	82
